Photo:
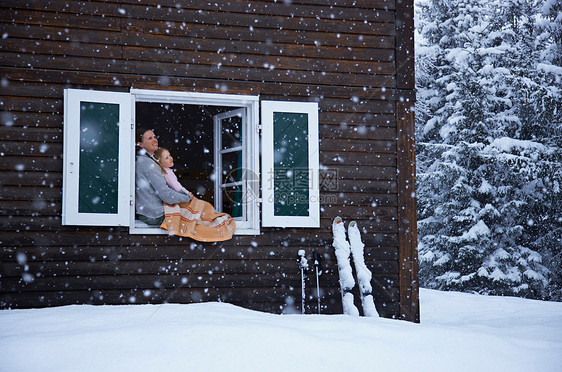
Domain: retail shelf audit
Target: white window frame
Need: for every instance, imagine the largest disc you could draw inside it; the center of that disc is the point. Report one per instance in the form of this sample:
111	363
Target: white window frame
71	156
269	219
250	224
219	151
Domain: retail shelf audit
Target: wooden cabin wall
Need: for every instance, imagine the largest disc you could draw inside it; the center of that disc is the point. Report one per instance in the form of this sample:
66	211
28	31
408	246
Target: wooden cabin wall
340	53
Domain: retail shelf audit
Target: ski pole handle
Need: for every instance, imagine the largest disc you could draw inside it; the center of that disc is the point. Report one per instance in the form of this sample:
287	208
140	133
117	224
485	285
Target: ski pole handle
303	262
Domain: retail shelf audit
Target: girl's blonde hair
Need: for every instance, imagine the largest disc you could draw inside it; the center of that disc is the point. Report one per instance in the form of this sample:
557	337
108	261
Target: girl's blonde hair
158	155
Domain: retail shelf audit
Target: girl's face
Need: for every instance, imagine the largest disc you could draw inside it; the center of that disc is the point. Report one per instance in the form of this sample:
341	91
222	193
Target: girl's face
149	141
166	159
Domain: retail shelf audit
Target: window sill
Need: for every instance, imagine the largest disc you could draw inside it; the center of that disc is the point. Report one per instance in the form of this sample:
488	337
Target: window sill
141	228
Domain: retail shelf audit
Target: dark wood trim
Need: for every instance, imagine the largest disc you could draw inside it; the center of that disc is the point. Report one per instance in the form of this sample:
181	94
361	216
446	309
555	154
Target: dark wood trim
405	44
118	14
340	97
368	4
104	237
122	253
407	220
338	9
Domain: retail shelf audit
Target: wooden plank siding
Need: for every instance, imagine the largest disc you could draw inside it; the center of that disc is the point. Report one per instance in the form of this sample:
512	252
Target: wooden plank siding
343	54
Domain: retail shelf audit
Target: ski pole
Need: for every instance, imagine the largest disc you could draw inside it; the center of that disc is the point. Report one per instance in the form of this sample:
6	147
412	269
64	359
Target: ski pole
303	264
318	273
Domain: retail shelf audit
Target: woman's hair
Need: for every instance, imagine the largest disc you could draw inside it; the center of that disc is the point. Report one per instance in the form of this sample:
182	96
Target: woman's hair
140	133
158	156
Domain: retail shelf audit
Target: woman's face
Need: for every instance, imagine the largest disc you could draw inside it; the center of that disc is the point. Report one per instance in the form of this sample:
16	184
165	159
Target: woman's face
166	159
149	141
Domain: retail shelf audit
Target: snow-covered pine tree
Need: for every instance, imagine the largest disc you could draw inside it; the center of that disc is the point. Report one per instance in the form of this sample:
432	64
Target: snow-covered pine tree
488	132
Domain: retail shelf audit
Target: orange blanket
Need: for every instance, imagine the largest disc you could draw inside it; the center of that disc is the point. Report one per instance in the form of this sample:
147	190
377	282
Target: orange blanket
197	219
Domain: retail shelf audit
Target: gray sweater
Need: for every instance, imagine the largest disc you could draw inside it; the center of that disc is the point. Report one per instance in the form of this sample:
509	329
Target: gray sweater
152	190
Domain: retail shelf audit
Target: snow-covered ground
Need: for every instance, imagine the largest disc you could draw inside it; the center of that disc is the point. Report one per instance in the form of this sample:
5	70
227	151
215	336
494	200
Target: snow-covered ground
458	332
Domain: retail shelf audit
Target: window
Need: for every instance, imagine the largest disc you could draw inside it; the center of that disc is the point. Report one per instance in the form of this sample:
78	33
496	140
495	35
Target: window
290	184
215	140
97	160
230	163
214	137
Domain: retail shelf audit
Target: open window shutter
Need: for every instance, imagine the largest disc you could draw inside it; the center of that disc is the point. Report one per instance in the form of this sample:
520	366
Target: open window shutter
290	184
230	168
97	158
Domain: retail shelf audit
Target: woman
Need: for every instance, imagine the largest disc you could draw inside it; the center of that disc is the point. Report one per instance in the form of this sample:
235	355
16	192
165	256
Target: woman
151	188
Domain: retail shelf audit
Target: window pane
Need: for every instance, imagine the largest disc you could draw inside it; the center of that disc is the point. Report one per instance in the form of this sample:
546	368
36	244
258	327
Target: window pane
290	169
99	153
232	167
231	132
232	201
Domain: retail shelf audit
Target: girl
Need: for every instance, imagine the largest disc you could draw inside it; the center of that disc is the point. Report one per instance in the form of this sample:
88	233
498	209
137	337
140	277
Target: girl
197	219
166	162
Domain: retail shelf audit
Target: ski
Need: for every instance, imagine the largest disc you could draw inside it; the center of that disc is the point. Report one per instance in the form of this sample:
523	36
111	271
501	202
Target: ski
347	282
364	275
